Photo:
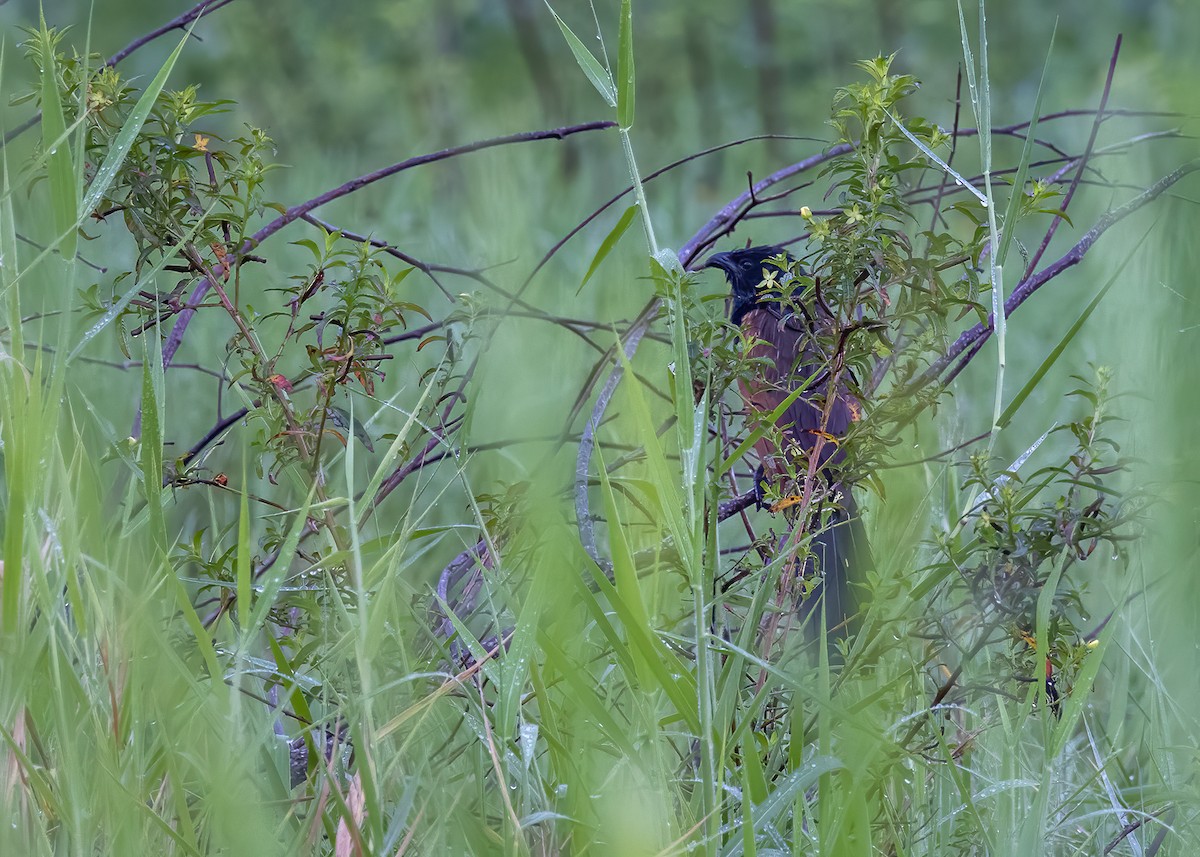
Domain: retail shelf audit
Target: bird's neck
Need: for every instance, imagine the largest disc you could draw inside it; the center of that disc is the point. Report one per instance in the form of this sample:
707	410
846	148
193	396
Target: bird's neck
742	305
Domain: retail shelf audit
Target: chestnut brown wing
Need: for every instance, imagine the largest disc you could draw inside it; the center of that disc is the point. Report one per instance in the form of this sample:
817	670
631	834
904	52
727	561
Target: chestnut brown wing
840	546
789	362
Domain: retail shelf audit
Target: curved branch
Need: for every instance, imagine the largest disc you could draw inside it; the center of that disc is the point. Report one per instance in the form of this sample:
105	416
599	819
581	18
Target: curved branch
587	443
205	7
730	212
1083	161
296	212
979	334
579	227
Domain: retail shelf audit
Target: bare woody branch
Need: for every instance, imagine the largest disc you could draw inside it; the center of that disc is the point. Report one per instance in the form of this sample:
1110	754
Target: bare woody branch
1087	153
175	339
979	334
205	7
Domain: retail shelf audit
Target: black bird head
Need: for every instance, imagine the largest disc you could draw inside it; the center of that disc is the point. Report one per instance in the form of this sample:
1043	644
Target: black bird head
744	271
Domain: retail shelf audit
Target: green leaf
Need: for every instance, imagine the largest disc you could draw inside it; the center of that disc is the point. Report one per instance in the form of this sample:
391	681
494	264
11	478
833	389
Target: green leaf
959	179
60	168
278	573
244	564
152	439
595	72
310	246
1078	701
608	243
119	305
796	783
753	437
123	142
625	76
643	653
1054	212
343	420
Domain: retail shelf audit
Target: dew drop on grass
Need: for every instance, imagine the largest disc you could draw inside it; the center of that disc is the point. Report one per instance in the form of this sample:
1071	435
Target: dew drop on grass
529	736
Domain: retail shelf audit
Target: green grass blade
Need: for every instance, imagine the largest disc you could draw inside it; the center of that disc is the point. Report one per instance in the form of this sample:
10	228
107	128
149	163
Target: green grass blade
60	167
959	179
278	573
596	73
625	74
152	439
968	62
147	275
609	242
123	142
628	588
754	436
795	784
243	563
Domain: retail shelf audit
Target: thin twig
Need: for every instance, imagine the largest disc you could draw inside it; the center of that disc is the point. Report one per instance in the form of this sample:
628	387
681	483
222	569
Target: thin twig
296	212
1087	153
205	7
355	184
729	214
980	332
583	224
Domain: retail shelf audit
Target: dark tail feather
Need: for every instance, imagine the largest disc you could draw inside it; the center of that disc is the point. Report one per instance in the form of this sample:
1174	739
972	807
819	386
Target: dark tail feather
840	553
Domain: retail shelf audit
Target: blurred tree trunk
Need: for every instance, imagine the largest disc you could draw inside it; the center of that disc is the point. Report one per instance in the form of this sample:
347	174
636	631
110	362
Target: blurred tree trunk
770	73
526	17
700	68
891	22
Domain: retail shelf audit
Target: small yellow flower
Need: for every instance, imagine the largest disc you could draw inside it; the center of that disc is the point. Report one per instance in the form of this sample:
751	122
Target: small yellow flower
201	144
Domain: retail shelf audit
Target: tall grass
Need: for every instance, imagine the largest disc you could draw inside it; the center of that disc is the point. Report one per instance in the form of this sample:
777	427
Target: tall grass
582	709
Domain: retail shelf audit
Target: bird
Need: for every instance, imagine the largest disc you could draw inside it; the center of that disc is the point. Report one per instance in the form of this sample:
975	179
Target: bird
810	425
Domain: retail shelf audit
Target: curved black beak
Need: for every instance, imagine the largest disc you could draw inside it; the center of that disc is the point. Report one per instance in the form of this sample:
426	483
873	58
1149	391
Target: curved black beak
721	260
